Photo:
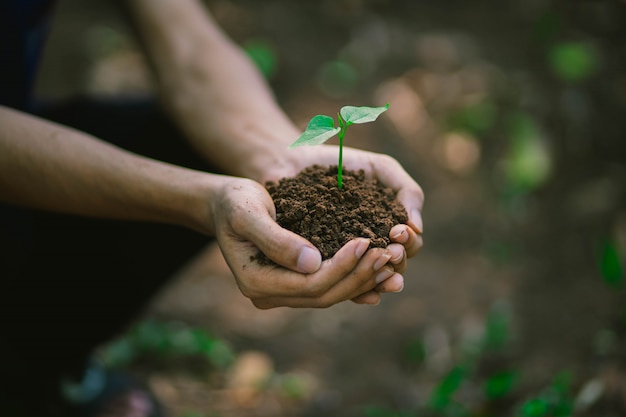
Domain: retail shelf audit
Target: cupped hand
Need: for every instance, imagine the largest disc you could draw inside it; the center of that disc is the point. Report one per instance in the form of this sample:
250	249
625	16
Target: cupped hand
244	225
406	239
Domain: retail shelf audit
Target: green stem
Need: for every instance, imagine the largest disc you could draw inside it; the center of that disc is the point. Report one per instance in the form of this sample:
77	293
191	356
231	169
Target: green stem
339	167
342	133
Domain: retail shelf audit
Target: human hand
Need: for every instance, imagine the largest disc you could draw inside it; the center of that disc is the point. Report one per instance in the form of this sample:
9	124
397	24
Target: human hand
244	224
406	239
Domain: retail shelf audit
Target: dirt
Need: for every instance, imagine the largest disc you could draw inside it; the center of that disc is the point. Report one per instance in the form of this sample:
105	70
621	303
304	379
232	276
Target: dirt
312	205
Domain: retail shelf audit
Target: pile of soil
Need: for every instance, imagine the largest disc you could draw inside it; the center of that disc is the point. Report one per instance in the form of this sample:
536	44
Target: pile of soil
313	206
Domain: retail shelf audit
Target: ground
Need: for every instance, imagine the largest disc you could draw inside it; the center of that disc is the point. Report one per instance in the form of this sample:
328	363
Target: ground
510	116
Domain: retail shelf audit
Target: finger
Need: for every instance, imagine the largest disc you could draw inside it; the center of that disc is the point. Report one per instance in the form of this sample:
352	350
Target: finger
370	271
352	283
406	236
282	246
393	284
371	297
273	283
398	257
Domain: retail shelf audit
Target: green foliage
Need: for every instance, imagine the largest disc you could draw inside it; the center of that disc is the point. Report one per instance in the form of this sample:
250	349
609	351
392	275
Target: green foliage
611	267
441	397
415	352
321	128
476	119
166	339
337	78
500	384
528	161
497	328
554	401
263	55
572	62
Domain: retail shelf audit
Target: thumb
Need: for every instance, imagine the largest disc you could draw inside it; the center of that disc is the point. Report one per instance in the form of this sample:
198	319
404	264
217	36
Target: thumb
283	246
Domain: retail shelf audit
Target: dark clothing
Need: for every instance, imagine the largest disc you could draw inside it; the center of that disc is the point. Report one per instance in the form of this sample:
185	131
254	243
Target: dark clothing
76	282
69	283
24	25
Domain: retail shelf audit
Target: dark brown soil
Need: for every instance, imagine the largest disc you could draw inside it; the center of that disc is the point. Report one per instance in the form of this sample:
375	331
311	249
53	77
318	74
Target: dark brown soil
313	206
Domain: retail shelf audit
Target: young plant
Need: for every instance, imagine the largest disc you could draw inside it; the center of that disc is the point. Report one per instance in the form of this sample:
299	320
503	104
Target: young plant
321	128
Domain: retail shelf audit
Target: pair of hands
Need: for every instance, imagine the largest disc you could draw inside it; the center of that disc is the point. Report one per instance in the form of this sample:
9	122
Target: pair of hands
245	223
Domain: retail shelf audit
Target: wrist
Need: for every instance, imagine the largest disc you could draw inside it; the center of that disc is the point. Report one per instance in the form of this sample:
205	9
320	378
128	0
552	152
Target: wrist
199	212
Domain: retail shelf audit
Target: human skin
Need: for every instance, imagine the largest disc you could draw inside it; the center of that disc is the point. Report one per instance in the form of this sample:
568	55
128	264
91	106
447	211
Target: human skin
221	103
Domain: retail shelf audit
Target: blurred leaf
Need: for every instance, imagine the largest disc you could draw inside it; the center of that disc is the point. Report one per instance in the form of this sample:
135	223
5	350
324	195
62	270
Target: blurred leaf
528	162
337	79
535	407
118	353
263	55
500	384
497	327
220	355
562	383
572	61
150	336
415	352
476	119
172	339
294	386
611	266
442	395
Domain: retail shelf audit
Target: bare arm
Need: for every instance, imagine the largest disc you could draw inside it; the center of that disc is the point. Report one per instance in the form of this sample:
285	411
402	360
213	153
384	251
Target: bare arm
211	88
51	167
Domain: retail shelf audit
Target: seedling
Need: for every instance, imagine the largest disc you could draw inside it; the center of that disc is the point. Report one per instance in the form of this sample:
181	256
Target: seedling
321	128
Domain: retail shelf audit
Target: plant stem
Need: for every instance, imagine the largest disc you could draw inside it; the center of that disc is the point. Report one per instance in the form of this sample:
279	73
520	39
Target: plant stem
339	167
342	133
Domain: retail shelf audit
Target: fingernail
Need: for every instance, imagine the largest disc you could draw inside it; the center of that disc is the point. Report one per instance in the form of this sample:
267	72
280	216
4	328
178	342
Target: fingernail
400	237
309	260
396	259
361	248
401	288
416	220
384	274
381	261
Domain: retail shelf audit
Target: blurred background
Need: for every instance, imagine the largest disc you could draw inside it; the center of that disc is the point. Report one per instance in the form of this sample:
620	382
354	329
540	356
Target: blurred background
511	116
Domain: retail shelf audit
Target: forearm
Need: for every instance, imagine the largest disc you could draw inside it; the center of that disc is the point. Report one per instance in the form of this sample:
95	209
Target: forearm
211	88
50	167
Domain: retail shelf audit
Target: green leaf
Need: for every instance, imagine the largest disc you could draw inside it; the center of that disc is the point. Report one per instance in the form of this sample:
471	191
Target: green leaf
356	115
263	55
536	407
528	162
610	266
573	61
442	395
500	384
319	130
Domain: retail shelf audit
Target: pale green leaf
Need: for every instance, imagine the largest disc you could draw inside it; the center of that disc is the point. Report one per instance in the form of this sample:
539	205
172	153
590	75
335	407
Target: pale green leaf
319	130
357	115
